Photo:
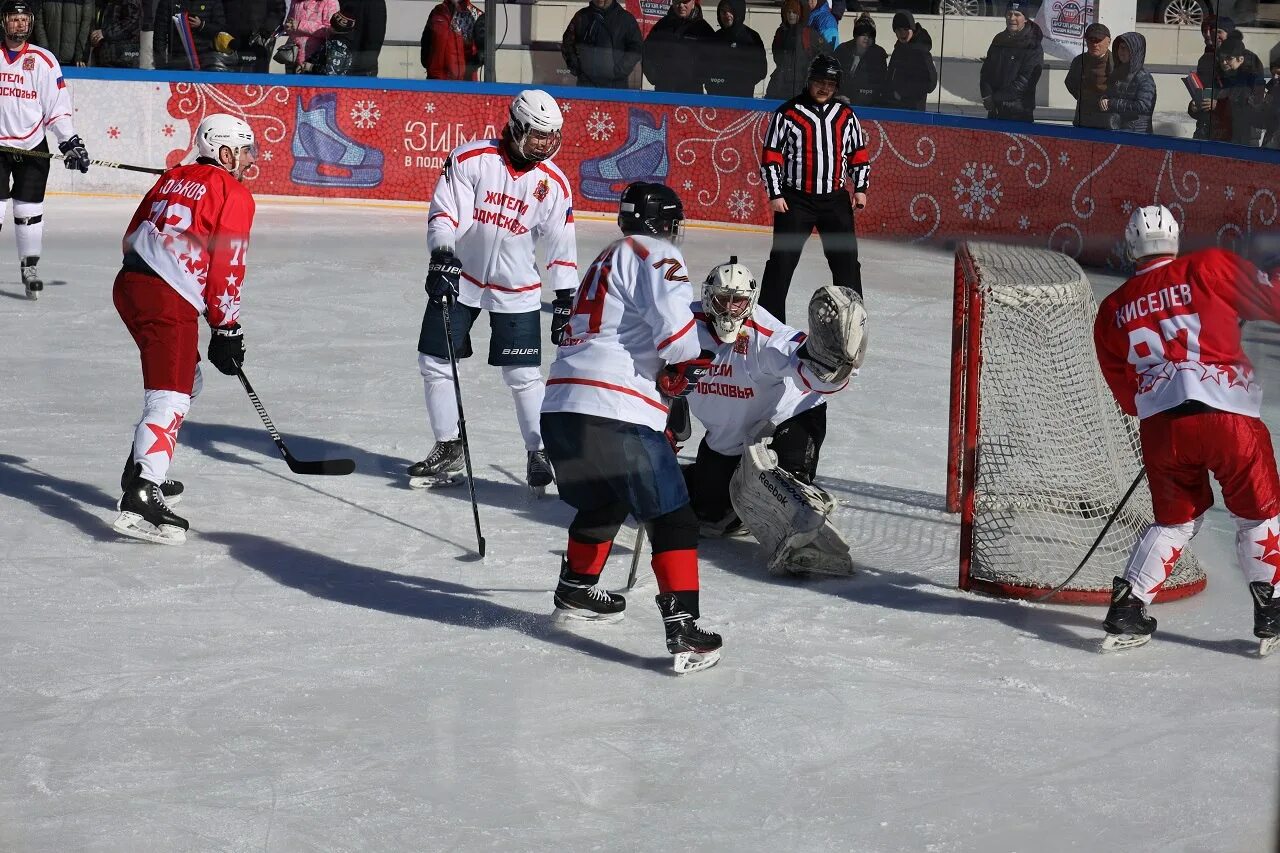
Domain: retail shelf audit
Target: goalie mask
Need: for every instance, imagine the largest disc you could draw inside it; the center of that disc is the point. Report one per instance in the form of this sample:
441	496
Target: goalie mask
535	126
728	297
1152	230
18	17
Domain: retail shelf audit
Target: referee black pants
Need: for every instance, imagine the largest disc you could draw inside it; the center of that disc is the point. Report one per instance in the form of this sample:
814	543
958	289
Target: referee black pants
832	214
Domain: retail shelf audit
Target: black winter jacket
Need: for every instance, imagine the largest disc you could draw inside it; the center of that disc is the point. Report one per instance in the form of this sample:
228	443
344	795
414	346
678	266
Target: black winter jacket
1131	91
168	46
911	75
120	22
62	27
864	77
602	46
367	37
1010	73
735	60
674	53
794	48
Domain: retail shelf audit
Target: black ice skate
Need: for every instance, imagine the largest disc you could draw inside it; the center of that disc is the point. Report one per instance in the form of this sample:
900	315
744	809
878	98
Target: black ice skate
171	489
145	515
578	601
693	647
539	473
1127	622
1266	616
30	278
442	467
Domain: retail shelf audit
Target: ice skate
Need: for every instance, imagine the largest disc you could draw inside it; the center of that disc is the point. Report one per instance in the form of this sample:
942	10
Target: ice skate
694	648
171	489
539	473
727	526
1128	625
1266	617
31	279
643	157
324	156
145	515
444	466
585	602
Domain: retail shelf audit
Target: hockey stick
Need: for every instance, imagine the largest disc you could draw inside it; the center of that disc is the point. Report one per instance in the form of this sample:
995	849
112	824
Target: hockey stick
297	466
49	155
1115	513
635	558
446	307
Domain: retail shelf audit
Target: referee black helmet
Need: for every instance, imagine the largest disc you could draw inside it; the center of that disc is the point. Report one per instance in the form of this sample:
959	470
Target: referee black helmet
826	67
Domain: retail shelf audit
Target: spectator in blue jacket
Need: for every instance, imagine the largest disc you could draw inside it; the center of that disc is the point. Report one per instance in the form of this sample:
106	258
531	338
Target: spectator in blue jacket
821	19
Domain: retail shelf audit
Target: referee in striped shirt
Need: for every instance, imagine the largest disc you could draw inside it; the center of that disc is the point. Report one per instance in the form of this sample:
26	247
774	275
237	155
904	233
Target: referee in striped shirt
814	148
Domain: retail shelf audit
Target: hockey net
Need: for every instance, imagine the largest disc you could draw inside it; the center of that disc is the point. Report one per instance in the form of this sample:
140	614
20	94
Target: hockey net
1040	454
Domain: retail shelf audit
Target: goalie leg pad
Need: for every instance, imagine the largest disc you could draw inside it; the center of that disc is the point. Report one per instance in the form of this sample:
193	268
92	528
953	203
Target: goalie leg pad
837	332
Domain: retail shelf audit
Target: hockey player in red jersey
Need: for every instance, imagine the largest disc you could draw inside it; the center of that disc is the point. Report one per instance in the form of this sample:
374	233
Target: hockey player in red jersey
34	98
184	256
496	201
629	343
1168	342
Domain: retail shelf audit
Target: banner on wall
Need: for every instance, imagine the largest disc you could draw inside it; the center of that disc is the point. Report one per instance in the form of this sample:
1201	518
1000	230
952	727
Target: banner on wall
1063	23
649	12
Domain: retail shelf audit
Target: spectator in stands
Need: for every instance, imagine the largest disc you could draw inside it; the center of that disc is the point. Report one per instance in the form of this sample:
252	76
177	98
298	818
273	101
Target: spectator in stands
249	36
1131	90
62	27
206	19
674	50
1270	122
115	40
865	64
601	46
1012	67
911	75
795	44
449	47
334	56
366	38
1215	31
824	24
1237	114
1088	76
735	54
307	28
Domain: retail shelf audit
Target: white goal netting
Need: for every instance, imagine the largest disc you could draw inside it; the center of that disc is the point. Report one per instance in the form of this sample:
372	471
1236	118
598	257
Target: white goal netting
1051	453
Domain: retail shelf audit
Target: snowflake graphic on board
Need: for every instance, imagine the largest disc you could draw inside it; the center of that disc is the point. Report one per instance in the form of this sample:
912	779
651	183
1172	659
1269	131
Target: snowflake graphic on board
113	132
1126	206
430	107
168	130
565	106
365	114
740	204
1229	192
266	155
600	126
688	185
1064	158
978	190
1023	222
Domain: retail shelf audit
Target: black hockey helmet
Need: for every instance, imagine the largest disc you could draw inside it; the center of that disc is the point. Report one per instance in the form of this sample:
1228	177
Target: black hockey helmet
651	209
826	67
17	7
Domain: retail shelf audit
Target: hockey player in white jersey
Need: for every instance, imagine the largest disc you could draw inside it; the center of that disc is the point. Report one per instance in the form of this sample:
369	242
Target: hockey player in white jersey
33	97
763	404
630	345
495	202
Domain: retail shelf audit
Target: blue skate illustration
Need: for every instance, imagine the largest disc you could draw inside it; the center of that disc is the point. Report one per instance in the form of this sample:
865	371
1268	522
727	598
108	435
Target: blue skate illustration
643	157
324	156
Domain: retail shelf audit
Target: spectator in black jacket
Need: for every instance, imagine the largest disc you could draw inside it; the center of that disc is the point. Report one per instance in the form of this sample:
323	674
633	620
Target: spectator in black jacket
911	75
1270	112
114	41
865	65
1012	67
1131	91
1214	30
795	46
207	19
1242	95
249	36
367	37
735	54
602	45
62	27
674	49
1089	76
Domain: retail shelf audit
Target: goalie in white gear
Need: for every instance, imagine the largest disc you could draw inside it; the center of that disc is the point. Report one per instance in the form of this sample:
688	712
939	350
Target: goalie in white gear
768	380
497	200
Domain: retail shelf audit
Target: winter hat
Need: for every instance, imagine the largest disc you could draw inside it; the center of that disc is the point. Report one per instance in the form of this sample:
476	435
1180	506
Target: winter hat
1096	31
864	26
1225	23
904	21
1026	7
340	23
1232	47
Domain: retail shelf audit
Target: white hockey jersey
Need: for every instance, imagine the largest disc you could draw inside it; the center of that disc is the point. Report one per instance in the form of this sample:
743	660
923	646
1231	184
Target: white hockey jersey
33	96
493	216
630	319
756	380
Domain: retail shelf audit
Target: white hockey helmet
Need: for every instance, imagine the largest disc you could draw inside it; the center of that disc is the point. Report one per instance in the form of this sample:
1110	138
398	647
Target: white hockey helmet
535	125
1152	230
728	297
220	130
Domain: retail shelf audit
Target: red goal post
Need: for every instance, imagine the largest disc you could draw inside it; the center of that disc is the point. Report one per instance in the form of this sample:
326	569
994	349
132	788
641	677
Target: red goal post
1039	454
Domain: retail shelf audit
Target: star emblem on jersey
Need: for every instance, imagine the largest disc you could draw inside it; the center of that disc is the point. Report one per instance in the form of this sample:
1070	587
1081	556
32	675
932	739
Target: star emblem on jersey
229	305
1271	552
166	436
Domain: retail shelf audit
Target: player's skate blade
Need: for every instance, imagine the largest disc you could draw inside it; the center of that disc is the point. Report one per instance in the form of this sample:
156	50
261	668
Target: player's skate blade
1267	645
1120	642
133	525
686	662
437	481
579	616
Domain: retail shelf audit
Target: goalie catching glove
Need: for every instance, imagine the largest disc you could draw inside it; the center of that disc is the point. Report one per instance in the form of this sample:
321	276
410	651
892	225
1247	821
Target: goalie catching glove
442	276
837	342
681	380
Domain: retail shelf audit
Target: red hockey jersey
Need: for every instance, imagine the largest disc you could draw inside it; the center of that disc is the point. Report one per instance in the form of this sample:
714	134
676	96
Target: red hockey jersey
192	228
1171	333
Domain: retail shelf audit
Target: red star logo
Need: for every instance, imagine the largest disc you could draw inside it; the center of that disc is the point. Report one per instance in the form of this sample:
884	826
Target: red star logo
168	130
1169	563
166	437
113	132
1271	552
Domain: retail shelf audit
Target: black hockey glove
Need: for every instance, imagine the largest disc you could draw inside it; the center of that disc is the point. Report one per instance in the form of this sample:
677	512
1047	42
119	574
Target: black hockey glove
442	276
226	348
681	380
74	155
561	311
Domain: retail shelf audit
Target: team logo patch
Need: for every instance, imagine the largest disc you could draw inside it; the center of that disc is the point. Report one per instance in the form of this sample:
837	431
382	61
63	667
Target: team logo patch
740	345
29	63
541	190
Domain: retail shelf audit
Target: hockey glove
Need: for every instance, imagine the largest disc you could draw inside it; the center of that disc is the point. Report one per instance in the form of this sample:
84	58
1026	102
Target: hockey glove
442	276
681	380
226	348
561	311
74	155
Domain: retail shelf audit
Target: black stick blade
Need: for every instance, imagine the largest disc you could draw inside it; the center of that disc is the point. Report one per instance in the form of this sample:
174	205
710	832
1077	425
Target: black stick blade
336	467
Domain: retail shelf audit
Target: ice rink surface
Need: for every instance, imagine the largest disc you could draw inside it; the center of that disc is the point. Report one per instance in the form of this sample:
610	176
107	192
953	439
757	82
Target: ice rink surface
325	667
